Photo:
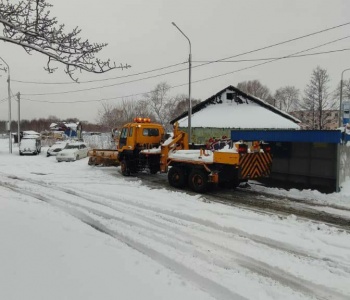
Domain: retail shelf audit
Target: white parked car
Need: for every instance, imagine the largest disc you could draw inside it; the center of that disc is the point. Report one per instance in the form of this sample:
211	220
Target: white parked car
72	152
30	144
56	147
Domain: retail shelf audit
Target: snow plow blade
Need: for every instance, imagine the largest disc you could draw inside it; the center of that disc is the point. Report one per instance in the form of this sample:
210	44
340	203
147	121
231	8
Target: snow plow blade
103	157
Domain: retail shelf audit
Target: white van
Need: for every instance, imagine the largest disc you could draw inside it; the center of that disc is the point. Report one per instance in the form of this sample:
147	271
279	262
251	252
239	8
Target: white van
30	144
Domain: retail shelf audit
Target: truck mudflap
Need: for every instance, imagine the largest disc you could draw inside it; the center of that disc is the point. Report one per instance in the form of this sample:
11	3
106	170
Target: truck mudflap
255	165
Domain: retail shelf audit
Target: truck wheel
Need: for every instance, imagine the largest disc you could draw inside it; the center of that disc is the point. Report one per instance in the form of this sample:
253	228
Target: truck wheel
153	169
177	177
235	184
124	167
198	180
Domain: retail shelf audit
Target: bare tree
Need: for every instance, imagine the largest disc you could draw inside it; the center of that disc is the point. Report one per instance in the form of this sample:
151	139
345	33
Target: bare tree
255	88
116	115
108	115
161	104
132	108
317	98
27	23
143	109
181	102
156	105
287	98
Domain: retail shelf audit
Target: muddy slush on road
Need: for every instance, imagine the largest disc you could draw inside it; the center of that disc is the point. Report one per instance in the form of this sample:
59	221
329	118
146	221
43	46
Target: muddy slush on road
246	197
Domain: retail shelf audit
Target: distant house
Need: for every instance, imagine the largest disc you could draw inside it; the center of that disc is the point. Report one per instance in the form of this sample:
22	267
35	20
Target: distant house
69	129
233	109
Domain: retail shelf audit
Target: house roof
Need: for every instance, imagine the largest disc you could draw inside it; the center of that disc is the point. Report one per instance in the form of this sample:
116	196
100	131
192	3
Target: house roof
232	108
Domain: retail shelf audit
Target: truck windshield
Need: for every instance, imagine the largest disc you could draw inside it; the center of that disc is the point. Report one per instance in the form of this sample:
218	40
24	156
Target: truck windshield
150	132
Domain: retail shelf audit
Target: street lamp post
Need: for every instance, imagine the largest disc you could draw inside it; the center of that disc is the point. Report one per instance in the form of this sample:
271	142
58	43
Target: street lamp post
341	98
189	85
9	100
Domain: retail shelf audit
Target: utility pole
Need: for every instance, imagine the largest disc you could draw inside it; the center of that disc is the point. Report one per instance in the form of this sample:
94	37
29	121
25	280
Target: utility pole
9	99
19	117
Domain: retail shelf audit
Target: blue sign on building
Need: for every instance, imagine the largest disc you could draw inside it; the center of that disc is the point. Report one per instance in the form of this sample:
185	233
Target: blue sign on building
346	112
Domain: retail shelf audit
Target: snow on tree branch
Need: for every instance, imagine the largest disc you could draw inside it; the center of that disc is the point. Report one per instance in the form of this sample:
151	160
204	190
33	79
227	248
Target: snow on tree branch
28	24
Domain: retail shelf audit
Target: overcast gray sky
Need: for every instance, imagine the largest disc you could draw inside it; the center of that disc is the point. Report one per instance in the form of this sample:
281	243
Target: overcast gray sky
140	33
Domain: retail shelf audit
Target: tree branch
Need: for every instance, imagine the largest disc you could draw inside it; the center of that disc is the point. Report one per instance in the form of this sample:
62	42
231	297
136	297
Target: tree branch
28	24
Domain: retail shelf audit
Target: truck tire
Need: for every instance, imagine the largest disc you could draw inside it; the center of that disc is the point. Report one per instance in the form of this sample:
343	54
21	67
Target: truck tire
153	170
124	168
177	177
198	180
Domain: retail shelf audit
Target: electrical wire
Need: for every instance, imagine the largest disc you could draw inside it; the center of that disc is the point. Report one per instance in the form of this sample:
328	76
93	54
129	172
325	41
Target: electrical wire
219	60
260	64
167	73
99	80
270	58
5	99
180	85
284	42
104	86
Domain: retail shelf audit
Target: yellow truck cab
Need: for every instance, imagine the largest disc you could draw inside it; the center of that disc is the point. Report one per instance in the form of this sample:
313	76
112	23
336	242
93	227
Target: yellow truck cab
134	137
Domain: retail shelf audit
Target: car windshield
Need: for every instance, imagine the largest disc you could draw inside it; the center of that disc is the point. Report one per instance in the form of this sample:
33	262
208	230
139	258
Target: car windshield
27	142
58	145
72	147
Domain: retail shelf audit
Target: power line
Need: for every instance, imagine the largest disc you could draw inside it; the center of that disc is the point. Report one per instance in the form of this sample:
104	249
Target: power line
180	85
99	80
167	73
263	63
284	42
5	99
104	86
270	58
219	60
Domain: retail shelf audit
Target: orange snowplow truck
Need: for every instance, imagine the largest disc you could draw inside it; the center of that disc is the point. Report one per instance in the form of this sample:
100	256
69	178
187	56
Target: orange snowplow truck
143	145
136	137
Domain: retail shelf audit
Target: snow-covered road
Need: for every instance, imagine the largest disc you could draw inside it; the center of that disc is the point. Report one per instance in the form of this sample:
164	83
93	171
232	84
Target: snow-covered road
152	243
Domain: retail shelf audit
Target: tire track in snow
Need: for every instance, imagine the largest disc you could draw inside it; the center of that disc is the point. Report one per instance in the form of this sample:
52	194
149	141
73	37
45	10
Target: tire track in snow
253	200
274	244
255	266
258	239
213	288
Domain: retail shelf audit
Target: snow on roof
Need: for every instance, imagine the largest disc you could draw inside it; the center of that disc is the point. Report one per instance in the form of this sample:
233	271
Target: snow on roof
72	126
30	136
243	111
30	132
